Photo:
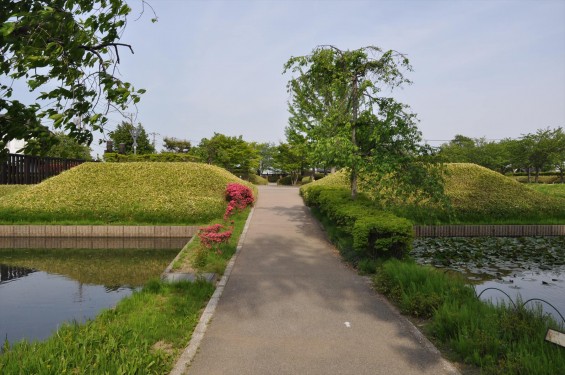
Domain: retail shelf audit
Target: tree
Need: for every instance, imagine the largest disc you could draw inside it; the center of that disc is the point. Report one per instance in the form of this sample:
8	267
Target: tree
68	52
266	153
176	145
337	105
232	153
542	150
66	147
122	134
289	159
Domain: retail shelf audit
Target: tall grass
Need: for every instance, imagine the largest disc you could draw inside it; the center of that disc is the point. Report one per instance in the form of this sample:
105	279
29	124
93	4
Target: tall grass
142	335
498	339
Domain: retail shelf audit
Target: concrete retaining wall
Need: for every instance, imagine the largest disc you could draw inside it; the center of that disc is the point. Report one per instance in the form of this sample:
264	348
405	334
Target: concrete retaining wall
488	230
148	231
95	236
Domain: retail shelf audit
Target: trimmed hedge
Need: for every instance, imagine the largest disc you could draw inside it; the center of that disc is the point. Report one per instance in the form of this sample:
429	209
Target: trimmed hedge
257	180
374	233
112	157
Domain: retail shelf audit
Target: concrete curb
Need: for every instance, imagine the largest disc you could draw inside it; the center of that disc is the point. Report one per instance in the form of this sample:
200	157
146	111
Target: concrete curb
189	352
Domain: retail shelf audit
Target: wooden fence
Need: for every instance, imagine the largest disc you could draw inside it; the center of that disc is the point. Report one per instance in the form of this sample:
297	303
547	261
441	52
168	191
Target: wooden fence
26	169
488	230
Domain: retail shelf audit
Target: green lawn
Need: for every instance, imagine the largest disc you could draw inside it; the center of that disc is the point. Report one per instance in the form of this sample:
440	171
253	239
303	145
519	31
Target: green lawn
555	190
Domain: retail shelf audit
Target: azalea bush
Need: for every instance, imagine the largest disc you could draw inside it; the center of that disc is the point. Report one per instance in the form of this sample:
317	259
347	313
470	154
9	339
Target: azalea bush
213	236
238	197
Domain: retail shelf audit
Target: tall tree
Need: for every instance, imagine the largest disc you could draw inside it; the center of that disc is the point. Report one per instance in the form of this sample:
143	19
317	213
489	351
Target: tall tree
229	152
68	52
338	104
176	145
122	134
289	159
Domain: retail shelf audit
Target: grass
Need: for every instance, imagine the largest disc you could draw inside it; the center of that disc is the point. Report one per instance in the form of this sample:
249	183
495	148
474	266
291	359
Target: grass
553	190
478	196
6	190
497	339
143	334
123	193
211	261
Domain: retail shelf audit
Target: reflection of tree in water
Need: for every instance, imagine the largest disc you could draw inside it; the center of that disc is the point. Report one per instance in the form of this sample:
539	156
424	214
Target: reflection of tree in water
8	273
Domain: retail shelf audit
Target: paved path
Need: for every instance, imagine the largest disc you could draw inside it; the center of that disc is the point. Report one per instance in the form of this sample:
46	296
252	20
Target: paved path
292	307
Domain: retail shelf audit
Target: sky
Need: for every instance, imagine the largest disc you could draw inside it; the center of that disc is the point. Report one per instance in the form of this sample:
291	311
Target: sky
482	68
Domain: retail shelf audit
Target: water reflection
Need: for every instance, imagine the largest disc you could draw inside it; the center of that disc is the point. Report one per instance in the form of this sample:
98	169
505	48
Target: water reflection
33	307
40	289
8	273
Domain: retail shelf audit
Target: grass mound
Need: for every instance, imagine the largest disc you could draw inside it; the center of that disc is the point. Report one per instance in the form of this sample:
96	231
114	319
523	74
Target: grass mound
477	195
129	193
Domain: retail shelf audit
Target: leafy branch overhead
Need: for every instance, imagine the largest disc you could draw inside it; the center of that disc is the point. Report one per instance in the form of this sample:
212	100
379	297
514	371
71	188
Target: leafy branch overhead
339	107
67	51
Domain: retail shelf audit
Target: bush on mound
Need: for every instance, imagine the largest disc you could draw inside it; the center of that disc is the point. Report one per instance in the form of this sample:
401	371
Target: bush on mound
144	193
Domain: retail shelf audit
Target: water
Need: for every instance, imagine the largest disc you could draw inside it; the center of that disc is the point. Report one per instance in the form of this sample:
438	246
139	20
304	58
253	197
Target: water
34	305
523	268
41	289
547	285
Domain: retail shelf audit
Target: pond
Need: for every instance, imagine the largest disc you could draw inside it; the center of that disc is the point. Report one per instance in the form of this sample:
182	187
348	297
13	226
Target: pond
509	267
40	289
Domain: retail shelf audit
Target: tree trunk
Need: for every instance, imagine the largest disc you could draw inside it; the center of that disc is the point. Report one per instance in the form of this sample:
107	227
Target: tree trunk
529	175
355	101
537	175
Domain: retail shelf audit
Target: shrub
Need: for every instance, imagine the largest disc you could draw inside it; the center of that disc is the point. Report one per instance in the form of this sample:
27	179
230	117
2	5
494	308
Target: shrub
239	196
287	181
375	233
212	238
257	180
112	157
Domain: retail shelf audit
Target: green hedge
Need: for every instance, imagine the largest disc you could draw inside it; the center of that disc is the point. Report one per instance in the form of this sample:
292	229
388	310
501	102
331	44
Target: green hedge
374	233
112	157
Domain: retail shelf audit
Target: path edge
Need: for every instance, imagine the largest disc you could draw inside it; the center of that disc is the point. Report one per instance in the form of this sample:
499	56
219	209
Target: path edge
181	366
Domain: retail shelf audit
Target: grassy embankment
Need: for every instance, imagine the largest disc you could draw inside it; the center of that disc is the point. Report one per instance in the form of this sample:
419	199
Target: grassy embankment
145	332
495	339
478	196
6	190
123	193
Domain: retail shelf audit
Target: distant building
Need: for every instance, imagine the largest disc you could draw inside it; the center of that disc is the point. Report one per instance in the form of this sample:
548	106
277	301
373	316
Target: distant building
15	145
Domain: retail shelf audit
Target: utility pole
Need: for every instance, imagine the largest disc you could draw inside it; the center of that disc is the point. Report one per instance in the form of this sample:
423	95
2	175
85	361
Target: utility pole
154	135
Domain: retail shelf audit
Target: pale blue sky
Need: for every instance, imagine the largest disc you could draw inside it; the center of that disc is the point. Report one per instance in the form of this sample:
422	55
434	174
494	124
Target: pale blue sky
481	68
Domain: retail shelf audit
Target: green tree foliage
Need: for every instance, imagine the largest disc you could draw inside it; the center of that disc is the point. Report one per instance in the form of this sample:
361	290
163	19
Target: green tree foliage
338	106
67	51
122	134
534	152
266	153
65	147
492	155
289	159
232	153
176	145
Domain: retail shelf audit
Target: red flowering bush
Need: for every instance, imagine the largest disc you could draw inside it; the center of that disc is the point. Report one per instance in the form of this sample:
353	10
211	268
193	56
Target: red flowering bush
239	197
211	237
